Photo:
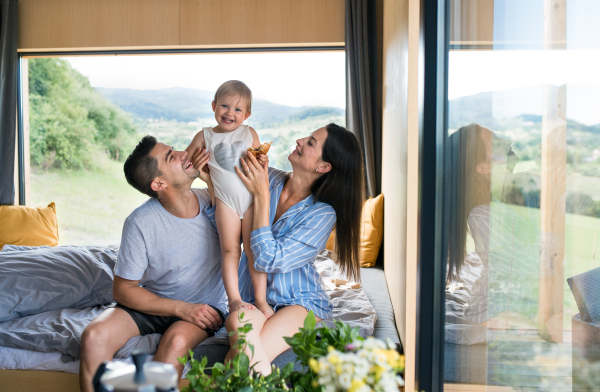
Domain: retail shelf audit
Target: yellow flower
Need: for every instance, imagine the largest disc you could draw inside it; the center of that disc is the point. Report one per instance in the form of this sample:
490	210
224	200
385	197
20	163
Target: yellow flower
330	348
314	365
378	370
334	359
392	358
338	370
356	384
315	383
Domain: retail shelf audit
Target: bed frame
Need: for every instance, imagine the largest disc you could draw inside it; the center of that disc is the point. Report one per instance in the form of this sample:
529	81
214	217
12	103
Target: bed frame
43	381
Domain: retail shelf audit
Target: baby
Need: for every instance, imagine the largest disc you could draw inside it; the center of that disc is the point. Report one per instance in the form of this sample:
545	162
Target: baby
227	143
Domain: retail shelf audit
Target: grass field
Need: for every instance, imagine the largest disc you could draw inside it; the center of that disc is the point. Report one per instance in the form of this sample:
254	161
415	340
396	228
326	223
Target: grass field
91	205
579	244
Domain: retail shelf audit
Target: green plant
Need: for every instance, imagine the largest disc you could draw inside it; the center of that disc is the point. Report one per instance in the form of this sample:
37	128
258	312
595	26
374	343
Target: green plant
237	374
317	350
306	346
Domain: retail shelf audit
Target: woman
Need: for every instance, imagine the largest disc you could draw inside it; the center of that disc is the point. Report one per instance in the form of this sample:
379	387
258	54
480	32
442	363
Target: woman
294	214
504	269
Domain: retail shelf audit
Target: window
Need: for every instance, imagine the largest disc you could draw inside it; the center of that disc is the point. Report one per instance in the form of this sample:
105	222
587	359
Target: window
87	113
521	198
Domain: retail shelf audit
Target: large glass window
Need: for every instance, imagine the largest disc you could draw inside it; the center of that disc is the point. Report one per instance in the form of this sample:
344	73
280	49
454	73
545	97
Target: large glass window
522	193
87	113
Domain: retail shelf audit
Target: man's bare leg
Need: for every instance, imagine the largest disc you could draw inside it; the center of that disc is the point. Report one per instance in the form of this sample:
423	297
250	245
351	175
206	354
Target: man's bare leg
180	337
101	339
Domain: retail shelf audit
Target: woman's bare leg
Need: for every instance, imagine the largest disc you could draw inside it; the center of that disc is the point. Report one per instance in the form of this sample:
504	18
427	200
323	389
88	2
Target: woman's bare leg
286	322
259	279
267	335
230	230
257	319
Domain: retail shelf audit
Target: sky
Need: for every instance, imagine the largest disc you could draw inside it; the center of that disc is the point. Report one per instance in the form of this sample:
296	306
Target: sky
293	79
318	78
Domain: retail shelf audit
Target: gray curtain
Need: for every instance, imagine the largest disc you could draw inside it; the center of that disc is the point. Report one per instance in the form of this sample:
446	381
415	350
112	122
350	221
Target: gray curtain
8	98
362	111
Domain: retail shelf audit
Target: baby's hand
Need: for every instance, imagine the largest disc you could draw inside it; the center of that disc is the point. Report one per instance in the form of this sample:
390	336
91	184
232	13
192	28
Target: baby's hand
263	159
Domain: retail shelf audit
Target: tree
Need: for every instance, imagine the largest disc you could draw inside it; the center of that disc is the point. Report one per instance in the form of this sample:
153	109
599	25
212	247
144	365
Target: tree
70	123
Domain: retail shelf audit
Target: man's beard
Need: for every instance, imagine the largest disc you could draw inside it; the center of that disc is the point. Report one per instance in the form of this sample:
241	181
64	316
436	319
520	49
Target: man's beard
187	182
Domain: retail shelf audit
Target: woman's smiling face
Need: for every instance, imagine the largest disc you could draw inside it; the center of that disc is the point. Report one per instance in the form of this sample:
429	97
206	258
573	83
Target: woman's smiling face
307	154
230	112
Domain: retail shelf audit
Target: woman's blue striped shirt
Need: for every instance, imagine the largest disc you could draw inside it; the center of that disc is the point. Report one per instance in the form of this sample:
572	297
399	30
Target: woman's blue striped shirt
286	251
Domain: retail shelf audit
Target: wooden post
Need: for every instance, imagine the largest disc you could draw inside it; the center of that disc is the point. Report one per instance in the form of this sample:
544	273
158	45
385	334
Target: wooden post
554	176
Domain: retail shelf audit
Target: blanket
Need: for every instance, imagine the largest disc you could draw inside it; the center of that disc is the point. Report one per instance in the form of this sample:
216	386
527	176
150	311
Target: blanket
56	292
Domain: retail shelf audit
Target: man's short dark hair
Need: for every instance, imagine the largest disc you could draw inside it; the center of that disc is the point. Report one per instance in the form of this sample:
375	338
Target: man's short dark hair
141	168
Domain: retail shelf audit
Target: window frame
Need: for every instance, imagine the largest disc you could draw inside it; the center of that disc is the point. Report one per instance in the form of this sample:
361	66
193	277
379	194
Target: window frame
431	267
22	172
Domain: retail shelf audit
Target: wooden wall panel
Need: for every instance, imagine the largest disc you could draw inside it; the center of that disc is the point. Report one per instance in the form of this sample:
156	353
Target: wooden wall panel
234	22
412	191
400	166
64	25
82	24
471	22
394	154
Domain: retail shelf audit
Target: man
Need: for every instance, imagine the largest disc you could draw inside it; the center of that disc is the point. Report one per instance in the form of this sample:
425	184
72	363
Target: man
168	273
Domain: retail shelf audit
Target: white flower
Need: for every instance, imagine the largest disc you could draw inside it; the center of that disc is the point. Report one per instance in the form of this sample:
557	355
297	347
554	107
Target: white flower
345	381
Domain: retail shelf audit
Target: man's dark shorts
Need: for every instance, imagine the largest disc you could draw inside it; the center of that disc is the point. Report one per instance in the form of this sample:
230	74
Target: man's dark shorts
148	324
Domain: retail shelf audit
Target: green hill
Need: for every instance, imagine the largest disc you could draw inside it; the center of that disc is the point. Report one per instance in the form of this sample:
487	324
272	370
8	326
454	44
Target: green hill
191	105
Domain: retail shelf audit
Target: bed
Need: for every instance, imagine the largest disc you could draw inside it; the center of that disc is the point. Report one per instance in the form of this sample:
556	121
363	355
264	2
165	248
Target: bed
56	291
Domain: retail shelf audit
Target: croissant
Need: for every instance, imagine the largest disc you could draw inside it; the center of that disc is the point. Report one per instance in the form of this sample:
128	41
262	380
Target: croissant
263	149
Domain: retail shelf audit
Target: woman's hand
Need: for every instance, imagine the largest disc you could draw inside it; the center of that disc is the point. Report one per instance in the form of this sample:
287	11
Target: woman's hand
255	174
200	160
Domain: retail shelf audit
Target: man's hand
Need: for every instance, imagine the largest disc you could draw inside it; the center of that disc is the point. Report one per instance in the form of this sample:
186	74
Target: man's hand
201	315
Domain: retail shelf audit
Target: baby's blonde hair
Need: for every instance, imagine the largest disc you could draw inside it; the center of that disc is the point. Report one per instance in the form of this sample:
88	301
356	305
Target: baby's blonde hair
235	87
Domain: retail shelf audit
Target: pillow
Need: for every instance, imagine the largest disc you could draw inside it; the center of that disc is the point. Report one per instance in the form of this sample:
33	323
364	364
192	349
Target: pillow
586	290
31	226
371	232
40	279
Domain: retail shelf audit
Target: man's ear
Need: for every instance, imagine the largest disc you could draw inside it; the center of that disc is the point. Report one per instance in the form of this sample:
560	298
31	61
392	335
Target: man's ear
214	105
158	185
483	168
324	167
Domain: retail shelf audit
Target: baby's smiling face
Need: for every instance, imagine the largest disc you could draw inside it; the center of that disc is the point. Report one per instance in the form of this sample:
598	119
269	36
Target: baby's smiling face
230	112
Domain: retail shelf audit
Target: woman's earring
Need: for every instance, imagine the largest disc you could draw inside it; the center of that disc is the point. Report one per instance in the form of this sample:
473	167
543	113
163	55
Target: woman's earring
317	170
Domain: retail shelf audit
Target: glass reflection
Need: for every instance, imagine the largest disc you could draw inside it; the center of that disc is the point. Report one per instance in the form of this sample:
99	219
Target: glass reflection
522	196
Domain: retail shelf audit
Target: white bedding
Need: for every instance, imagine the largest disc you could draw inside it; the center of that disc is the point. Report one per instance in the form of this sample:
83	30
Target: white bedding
350	305
14	358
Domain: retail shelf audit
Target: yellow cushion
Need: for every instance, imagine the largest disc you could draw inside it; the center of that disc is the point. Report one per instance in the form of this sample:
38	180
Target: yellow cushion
28	226
371	232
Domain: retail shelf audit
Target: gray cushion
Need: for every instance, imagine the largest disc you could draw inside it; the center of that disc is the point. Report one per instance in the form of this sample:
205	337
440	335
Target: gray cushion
216	353
375	286
586	291
40	279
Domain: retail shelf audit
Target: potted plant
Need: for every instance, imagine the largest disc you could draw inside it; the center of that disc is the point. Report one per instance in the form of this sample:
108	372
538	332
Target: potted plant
332	359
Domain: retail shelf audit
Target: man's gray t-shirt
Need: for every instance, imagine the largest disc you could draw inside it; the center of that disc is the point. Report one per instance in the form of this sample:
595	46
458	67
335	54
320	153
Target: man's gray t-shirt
173	257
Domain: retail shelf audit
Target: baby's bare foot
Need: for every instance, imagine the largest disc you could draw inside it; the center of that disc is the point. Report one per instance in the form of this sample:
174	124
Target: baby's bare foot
265	308
234	305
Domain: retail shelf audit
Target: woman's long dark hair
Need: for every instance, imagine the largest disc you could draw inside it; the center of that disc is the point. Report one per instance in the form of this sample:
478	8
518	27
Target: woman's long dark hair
464	189
343	189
